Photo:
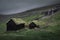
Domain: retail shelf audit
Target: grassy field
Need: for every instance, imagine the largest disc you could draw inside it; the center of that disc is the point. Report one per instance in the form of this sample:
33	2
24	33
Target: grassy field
49	29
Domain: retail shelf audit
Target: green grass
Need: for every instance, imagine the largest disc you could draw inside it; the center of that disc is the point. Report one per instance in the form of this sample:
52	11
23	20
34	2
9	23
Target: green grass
33	35
32	17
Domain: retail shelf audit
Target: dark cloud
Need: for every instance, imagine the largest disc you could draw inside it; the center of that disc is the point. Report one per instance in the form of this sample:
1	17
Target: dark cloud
15	6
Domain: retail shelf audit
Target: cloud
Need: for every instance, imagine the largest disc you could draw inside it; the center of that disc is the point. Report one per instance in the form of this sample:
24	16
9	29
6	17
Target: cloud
15	6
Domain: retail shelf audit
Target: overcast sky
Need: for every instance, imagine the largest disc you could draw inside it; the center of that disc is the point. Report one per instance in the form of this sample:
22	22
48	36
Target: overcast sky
15	6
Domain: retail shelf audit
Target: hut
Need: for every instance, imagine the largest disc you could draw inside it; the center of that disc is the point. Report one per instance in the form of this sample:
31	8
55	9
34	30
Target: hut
15	24
11	25
34	24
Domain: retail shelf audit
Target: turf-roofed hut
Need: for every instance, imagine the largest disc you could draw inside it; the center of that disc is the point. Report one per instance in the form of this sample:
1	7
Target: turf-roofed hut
34	24
15	24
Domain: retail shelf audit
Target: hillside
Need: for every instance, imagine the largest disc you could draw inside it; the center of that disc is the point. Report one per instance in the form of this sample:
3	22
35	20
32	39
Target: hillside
49	27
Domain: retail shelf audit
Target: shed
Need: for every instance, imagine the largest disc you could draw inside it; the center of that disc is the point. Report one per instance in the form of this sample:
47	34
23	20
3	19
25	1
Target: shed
34	24
15	24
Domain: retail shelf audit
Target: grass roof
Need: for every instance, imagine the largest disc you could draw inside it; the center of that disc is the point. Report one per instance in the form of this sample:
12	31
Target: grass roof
36	22
18	20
